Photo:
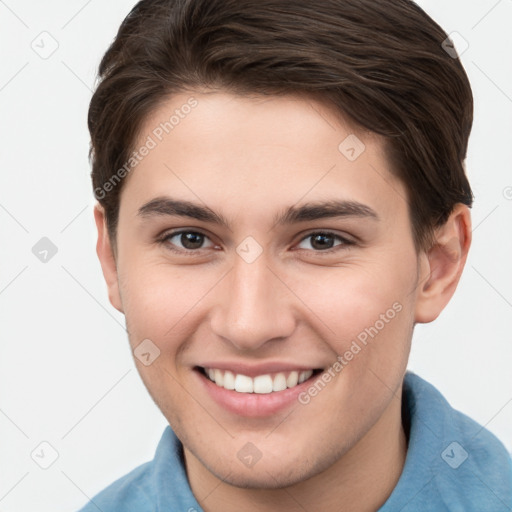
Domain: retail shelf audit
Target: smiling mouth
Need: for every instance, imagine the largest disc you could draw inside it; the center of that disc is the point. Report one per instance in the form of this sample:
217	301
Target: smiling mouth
261	384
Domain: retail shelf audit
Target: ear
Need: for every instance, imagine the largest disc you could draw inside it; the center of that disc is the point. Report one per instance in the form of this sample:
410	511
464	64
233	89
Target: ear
107	259
442	266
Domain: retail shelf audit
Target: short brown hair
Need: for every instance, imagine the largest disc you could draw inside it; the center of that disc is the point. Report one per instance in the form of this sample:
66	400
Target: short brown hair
380	63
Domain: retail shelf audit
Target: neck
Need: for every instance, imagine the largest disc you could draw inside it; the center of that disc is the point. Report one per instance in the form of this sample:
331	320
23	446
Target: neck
362	480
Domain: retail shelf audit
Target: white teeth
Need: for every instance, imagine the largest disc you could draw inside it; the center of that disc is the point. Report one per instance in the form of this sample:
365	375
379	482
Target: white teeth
262	384
292	379
305	376
243	384
229	381
279	382
218	377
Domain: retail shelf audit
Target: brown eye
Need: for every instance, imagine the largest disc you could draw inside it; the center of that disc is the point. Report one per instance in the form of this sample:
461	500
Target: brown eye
321	241
189	240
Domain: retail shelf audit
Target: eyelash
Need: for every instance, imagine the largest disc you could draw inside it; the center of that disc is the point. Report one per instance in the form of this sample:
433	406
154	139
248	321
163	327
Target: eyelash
346	244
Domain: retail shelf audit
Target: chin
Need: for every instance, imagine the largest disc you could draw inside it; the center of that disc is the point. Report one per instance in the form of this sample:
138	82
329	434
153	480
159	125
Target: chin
280	471
265	477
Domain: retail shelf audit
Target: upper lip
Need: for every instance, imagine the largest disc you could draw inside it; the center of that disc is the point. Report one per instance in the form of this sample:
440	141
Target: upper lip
253	370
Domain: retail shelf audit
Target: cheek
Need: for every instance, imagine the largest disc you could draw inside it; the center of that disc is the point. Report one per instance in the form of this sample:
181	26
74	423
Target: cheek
158	298
365	312
353	296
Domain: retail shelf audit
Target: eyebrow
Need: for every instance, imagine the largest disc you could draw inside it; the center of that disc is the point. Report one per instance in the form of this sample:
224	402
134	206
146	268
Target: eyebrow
167	206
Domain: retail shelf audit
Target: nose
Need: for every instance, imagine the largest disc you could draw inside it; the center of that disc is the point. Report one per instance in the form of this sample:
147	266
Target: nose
253	306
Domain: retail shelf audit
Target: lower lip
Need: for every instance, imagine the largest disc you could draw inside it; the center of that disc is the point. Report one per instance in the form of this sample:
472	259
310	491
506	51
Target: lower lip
254	405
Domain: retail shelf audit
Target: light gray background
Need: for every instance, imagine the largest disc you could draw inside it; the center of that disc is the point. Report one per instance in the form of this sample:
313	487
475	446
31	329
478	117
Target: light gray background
66	372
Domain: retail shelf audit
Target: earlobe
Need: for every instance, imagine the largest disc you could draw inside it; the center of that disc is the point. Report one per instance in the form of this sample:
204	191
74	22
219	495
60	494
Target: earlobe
107	260
442	266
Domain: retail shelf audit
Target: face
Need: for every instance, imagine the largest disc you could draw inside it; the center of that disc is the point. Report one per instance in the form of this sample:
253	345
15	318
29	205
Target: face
293	254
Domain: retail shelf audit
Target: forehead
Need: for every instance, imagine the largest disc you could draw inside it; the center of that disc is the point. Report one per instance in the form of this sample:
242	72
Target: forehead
244	153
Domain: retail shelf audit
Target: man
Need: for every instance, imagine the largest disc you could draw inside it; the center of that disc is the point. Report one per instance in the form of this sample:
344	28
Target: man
281	198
